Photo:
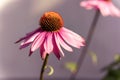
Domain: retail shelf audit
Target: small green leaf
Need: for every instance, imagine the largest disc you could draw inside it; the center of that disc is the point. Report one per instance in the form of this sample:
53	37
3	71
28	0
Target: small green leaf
71	66
93	57
117	57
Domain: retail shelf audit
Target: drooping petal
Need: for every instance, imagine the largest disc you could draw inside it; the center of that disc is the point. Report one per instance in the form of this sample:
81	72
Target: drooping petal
75	35
21	39
35	31
106	7
57	53
63	43
58	44
87	4
48	43
38	41
70	38
42	51
28	35
25	45
115	11
55	48
29	40
104	11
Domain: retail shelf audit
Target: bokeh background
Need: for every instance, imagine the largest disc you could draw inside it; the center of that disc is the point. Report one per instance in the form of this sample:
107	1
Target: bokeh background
18	17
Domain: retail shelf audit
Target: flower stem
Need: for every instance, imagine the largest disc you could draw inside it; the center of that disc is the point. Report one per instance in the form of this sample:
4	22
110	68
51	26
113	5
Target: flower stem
43	67
111	65
84	50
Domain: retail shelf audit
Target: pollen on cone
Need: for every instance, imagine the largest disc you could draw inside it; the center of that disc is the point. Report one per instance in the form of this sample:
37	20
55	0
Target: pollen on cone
51	21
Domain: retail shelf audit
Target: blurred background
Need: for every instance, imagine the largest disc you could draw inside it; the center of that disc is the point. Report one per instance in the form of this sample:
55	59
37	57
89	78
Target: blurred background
18	17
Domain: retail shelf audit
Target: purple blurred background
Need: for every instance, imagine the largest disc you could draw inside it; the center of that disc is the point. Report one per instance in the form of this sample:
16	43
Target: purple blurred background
18	17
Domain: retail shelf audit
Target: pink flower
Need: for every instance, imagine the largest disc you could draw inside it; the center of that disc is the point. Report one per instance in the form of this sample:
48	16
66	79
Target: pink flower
106	7
51	36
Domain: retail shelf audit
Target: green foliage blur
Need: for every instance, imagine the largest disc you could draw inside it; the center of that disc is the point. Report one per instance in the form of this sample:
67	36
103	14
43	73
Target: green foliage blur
113	74
113	70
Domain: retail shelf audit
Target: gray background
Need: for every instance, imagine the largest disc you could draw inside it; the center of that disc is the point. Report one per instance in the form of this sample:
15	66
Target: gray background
19	17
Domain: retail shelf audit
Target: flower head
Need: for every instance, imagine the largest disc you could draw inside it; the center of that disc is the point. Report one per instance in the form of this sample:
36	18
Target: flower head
51	36
106	7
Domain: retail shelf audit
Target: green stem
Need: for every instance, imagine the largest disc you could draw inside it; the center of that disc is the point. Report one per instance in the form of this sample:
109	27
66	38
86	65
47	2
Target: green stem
88	40
43	67
111	65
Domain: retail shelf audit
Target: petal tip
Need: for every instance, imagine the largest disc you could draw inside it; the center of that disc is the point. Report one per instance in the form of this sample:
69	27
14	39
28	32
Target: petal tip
30	53
83	43
59	58
17	42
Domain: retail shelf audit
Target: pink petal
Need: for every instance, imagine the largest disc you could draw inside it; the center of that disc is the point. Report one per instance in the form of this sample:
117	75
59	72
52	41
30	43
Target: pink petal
75	35
70	38
28	35
114	10
103	7
106	7
29	40
21	39
63	44
42	51
35	31
86	5
58	44
55	48
48	43
89	4
38	41
25	45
